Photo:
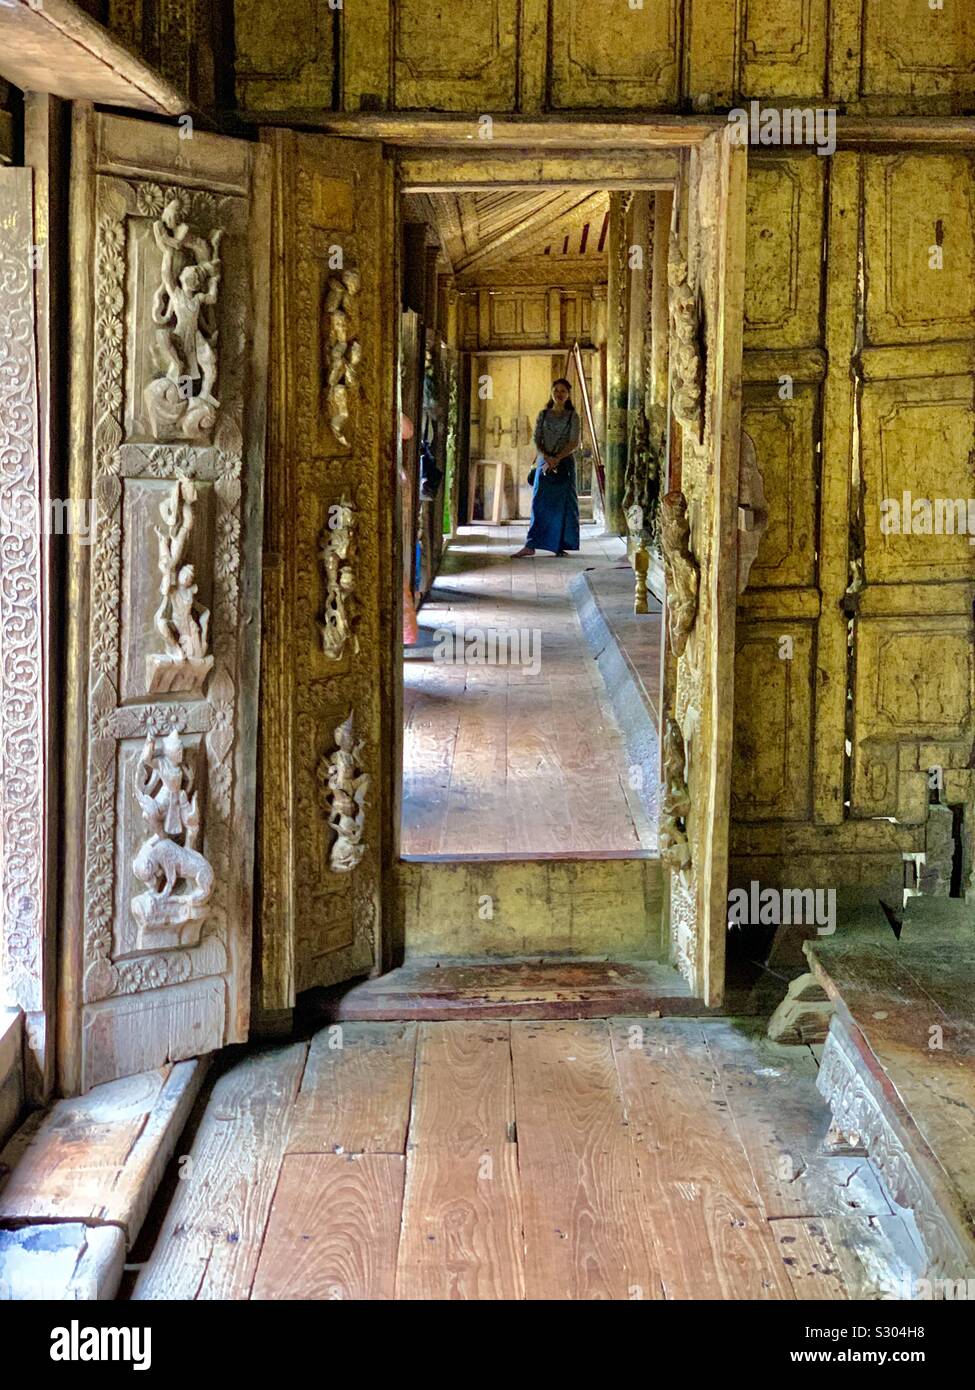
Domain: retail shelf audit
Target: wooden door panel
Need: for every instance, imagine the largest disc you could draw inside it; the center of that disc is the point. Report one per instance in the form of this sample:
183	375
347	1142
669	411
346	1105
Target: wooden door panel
707	304
331	596
170	240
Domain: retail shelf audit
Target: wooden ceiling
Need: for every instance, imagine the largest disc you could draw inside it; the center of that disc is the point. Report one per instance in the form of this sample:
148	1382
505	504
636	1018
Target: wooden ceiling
480	232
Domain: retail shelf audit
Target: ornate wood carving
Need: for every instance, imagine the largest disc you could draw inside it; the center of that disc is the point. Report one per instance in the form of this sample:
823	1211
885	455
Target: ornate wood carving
197	872
338	568
182	403
22	687
165	791
860	1113
345	786
680	570
675	803
182	623
687	364
343	352
699	654
319	926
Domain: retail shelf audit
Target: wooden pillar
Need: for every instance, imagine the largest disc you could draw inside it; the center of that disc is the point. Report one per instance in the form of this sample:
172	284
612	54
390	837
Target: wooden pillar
555	318
638	328
663	207
617	333
430	287
414	266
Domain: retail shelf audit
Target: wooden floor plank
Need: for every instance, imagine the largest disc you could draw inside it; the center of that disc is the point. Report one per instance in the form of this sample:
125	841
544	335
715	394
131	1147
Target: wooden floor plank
510	758
333	1229
580	1182
210	1240
355	1092
462	1227
708	1227
811	1262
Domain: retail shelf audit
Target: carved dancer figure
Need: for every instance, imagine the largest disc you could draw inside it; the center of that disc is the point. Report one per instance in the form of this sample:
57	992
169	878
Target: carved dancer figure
343	353
346	787
181	622
680	570
337	554
183	401
688	368
675	802
164	791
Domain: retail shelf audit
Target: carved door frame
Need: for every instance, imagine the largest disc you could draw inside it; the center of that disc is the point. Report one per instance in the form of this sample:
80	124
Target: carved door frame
655	168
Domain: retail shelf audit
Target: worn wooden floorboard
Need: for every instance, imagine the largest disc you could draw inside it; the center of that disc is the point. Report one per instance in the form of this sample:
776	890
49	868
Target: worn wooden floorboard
355	1092
700	1201
99	1157
782	1122
581	1187
333	1229
462	1224
511	758
211	1237
625	1160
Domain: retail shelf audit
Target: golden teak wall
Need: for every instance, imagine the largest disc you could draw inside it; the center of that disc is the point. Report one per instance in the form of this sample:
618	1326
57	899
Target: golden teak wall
570	55
854	661
854	647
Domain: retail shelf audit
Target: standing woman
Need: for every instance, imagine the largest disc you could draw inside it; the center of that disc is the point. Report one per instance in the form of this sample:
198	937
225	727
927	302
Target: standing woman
555	506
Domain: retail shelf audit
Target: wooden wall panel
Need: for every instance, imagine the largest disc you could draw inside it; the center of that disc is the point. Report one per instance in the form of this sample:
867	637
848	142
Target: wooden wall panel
288	63
912	50
917	437
783	48
914	204
771	774
784	267
785	433
624	58
446	59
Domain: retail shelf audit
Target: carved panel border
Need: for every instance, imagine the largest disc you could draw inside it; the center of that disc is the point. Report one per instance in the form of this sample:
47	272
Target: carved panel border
22	674
858	1110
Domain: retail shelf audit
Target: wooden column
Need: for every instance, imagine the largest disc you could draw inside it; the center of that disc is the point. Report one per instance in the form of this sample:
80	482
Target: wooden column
663	206
415	267
617	358
638	328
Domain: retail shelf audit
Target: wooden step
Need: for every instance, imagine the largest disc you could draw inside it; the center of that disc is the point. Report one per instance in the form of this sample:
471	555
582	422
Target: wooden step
572	905
441	989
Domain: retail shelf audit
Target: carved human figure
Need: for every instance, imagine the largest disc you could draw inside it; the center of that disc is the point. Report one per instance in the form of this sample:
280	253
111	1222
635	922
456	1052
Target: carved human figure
343	353
675	802
680	570
337	549
688	367
184	400
346	787
170	855
181	622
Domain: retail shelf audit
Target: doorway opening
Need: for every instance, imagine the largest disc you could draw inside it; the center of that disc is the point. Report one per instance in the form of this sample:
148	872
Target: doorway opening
531	687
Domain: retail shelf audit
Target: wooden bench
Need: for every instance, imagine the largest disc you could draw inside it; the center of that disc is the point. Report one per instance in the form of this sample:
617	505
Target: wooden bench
898	1072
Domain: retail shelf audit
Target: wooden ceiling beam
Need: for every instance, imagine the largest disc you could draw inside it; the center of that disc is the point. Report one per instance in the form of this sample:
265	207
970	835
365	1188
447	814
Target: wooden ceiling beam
55	47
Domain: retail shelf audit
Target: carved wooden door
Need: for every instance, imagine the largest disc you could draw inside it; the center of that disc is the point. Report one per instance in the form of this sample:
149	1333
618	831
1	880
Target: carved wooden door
169	267
332	597
700	550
